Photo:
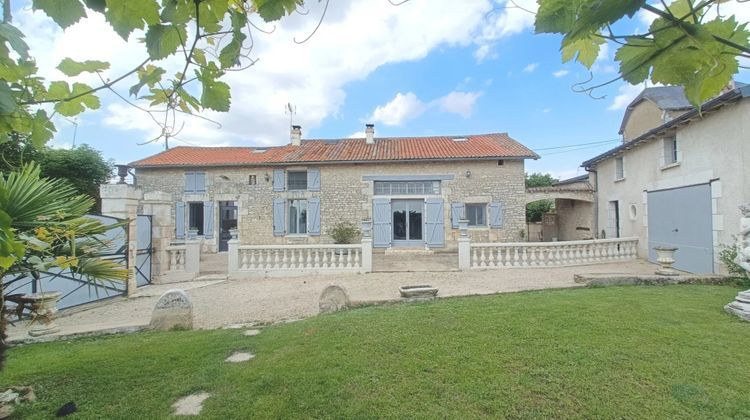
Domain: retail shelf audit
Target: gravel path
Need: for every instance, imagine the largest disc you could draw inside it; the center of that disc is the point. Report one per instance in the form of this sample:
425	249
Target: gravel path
217	304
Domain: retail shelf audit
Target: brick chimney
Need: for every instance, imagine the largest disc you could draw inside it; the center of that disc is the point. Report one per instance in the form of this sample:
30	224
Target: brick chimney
370	133
296	135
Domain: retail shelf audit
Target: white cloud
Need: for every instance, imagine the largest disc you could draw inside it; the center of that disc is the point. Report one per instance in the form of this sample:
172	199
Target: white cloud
407	106
506	19
626	94
312	75
547	110
531	67
401	108
357	135
459	103
560	73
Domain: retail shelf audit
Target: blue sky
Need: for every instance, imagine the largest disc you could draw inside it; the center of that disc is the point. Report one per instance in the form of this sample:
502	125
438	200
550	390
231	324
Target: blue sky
427	67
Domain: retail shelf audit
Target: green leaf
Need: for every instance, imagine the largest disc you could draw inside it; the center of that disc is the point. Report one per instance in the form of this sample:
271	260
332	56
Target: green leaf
585	50
14	37
8	103
96	5
150	75
127	16
635	59
199	56
42	129
178	12
73	68
63	12
230	54
212	13
556	16
216	96
272	10
164	40
69	103
592	15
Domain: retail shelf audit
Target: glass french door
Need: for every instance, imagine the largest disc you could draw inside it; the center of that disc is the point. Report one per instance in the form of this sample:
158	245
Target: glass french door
408	222
227	221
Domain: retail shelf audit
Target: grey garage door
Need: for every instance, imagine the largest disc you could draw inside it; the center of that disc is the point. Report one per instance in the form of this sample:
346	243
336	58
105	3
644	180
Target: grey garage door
681	217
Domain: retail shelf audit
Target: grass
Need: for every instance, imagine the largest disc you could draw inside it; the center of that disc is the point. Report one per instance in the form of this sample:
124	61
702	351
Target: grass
625	352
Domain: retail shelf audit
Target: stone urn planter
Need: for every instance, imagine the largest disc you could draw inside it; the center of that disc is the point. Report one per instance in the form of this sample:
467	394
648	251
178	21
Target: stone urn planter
192	233
665	258
419	292
44	308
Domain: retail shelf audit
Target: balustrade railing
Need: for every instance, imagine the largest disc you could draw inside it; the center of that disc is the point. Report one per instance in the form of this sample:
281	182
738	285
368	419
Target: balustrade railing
299	257
552	254
176	257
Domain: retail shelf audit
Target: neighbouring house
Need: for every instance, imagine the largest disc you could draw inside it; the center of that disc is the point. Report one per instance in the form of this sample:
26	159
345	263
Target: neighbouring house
414	189
572	217
679	175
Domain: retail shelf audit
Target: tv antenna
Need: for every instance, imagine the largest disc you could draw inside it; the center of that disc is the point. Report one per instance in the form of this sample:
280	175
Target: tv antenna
291	110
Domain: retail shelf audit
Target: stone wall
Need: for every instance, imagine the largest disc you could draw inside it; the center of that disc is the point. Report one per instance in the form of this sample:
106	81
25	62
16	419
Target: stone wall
346	197
575	220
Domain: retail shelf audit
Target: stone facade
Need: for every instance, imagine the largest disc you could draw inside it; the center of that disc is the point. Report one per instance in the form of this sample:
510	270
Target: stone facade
345	195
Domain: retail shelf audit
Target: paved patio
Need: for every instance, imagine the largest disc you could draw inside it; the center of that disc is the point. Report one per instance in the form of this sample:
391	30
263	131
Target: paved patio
219	303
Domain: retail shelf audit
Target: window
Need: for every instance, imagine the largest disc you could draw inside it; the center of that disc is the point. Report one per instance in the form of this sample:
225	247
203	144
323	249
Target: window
619	168
195	216
476	214
195	182
296	180
407	187
297	217
500	162
670	150
252	180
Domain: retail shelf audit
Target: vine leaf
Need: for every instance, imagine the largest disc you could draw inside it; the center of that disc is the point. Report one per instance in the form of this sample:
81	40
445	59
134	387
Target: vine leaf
59	90
42	129
63	12
14	37
73	68
127	16
272	10
164	40
8	103
150	75
584	50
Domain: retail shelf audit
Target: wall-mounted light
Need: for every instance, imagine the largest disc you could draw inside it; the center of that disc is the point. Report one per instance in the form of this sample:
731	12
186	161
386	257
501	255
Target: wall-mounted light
468	173
267	177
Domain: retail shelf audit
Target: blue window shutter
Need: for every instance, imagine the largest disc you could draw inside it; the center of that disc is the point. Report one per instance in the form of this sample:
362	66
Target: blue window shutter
208	219
189	181
179	219
434	227
496	215
200	182
278	180
313	216
278	217
313	179
381	222
458	212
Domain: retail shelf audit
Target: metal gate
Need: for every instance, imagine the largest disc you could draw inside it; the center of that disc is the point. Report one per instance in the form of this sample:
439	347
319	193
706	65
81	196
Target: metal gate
77	290
144	250
681	217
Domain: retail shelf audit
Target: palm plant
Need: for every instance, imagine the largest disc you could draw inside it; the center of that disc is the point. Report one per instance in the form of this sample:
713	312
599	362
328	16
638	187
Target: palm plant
43	227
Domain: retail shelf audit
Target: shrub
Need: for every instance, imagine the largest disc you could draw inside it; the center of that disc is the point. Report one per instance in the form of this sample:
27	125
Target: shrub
728	256
343	233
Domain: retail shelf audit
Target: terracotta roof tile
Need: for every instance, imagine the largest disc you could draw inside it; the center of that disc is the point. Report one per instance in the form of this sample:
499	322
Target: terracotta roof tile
481	146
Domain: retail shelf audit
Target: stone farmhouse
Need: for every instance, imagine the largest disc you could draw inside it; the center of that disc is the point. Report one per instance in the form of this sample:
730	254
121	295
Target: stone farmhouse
413	189
679	176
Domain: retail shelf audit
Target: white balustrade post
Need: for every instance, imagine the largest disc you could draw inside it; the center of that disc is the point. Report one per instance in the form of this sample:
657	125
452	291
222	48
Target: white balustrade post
366	246
464	245
193	256
234	256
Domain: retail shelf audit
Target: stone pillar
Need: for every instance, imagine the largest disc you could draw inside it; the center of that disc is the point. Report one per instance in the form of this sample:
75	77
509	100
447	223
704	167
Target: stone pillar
741	304
158	205
193	256
234	256
464	245
121	201
367	246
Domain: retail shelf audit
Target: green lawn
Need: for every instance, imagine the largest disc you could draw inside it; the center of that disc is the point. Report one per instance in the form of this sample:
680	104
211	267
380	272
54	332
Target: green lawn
626	352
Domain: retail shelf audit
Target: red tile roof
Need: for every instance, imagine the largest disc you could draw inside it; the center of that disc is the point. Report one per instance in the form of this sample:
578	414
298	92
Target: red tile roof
481	146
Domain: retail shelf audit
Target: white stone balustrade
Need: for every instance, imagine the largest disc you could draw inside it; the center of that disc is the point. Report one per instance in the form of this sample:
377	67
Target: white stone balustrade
176	256
183	261
551	254
306	258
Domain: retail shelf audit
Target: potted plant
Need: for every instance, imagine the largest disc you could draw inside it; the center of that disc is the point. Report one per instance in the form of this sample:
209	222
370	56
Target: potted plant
343	233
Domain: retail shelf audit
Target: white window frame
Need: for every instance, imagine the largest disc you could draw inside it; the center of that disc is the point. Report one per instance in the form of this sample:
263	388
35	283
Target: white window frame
671	153
295	226
619	168
483	207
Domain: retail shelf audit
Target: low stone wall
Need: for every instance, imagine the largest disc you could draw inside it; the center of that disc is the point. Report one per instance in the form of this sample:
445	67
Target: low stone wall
636	280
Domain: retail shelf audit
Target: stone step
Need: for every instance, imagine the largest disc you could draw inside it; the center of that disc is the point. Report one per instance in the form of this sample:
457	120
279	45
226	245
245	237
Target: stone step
211	277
